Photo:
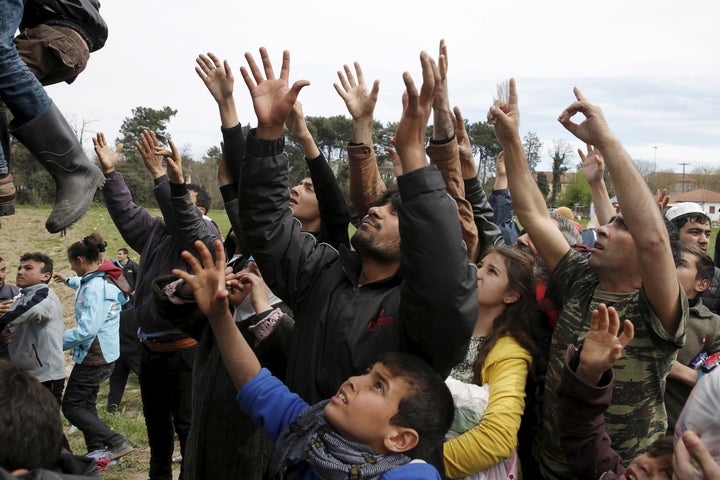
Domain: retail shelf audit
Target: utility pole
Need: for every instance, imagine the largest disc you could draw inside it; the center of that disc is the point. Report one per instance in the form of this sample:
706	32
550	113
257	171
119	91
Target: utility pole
655	162
683	178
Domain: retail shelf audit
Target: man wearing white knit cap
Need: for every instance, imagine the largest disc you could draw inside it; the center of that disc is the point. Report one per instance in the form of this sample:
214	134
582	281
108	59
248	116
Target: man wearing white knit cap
693	226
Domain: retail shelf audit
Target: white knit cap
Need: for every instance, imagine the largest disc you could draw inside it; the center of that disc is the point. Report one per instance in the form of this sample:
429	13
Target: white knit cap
683	208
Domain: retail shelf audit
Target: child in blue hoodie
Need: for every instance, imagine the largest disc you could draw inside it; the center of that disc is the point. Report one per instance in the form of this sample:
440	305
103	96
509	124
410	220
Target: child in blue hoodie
380	425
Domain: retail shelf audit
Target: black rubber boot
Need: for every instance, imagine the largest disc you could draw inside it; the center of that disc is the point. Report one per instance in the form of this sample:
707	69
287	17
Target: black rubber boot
49	137
7	187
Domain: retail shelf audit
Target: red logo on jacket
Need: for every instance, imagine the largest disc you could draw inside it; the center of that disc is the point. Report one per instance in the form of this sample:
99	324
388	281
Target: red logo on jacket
380	321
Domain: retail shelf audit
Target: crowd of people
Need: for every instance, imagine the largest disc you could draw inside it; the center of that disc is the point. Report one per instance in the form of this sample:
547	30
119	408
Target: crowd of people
438	341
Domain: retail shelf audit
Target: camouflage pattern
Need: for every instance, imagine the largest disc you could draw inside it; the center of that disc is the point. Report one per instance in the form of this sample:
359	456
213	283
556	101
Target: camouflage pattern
637	415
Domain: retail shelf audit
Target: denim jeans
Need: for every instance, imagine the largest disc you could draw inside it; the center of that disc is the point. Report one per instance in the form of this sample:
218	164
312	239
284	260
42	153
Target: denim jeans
79	405
21	91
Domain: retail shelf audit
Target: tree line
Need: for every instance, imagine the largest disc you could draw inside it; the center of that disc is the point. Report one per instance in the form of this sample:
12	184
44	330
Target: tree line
331	135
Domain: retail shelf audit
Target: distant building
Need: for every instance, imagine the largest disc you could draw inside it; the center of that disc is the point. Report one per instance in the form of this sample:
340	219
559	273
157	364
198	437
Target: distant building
708	200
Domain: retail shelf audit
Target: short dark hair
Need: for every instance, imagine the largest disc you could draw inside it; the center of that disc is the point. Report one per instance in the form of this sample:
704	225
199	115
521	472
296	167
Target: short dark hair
696	217
391	195
124	250
203	197
705	266
427	408
30	425
40	258
662	447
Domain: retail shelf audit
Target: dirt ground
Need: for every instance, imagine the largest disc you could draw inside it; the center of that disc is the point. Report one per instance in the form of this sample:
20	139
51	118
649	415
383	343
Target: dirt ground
25	232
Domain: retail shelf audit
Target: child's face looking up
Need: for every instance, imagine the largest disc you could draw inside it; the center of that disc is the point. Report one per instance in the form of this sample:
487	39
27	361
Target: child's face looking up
362	408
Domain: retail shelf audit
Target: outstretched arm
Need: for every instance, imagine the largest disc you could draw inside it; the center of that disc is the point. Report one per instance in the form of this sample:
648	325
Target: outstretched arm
366	185
182	217
334	211
502	205
218	78
639	209
593	168
210	291
132	221
528	201
444	152
432	257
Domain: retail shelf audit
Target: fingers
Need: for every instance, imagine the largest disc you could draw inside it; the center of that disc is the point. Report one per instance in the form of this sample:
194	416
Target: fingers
228	70
443	58
697	449
600	320
431	77
513	96
219	254
350	78
613	320
175	153
583	158
254	70
628	333
459	120
295	89
579	94
267	64
375	90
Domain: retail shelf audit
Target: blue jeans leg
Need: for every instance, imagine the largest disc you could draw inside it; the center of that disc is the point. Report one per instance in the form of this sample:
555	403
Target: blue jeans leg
79	405
21	91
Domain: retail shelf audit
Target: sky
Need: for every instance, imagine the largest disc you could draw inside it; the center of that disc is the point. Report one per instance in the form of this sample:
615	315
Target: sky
652	66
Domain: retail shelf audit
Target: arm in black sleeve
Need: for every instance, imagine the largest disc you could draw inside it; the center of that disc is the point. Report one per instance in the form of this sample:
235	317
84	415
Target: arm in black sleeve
334	210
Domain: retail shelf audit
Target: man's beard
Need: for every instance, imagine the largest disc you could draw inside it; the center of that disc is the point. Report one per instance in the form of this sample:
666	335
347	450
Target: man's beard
365	245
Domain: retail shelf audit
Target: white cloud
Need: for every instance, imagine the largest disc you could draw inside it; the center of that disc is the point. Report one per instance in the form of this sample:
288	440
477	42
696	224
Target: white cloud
651	65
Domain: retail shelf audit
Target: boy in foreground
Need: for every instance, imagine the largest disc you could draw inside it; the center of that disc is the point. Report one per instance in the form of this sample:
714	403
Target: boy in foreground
378	425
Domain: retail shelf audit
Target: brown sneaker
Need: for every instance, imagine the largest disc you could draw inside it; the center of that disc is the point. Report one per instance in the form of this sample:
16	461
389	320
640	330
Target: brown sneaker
7	196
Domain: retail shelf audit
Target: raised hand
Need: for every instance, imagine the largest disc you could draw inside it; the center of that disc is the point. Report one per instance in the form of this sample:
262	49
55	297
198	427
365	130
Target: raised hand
397	164
147	146
174	162
505	117
359	101
217	76
662	199
259	292
594	129
467	160
295	122
603	347
208	282
272	98
107	156
443	121
593	164
410	133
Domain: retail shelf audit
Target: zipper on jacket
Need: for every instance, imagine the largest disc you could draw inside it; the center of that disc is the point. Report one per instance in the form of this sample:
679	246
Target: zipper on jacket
37	357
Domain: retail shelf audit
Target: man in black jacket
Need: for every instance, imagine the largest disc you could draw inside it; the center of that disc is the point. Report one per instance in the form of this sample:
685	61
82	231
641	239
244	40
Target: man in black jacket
351	306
